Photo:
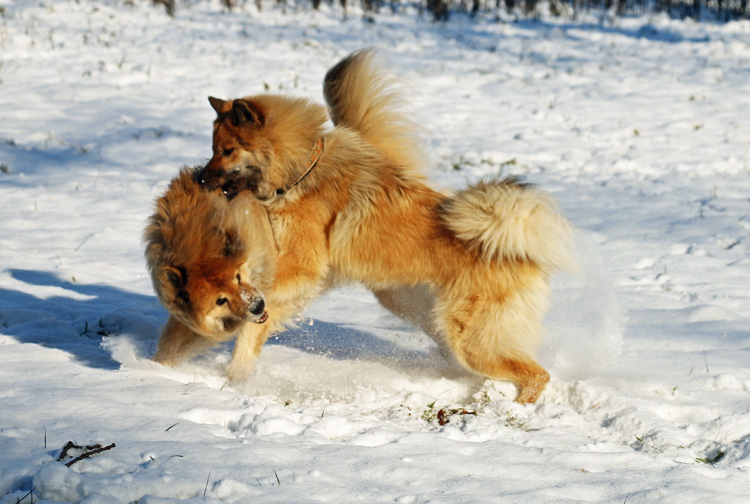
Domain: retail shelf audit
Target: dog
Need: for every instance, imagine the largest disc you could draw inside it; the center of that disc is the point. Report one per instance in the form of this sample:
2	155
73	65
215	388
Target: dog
210	262
351	202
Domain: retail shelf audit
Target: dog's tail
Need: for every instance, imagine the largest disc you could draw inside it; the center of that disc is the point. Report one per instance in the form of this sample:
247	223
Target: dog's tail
364	98
508	220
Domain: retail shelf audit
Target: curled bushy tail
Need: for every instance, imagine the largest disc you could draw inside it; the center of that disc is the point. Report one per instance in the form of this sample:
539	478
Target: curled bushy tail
364	98
505	219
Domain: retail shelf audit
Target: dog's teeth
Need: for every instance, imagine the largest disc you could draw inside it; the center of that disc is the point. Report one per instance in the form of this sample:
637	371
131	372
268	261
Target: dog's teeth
262	318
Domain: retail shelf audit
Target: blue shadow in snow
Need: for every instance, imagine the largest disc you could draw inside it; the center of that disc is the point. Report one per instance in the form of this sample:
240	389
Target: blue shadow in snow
339	342
75	318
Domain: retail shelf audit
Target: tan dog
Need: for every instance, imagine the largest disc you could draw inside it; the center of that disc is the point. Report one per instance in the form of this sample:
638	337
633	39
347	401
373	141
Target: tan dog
351	203
210	262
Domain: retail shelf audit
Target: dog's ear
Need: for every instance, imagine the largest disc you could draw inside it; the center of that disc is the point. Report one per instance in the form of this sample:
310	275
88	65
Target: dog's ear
172	286
233	245
217	104
244	112
172	276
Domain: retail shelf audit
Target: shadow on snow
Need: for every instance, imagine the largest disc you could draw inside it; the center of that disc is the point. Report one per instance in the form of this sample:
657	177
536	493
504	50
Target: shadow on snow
76	318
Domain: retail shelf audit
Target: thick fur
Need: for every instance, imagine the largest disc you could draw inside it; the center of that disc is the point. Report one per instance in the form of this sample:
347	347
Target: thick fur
365	213
210	262
366	99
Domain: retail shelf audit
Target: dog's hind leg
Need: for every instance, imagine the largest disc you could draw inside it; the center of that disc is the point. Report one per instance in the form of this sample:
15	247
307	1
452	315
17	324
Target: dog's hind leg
526	374
523	371
498	338
177	343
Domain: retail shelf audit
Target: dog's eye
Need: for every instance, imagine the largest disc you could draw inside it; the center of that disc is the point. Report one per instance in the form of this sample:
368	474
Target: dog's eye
239	278
227	152
221	301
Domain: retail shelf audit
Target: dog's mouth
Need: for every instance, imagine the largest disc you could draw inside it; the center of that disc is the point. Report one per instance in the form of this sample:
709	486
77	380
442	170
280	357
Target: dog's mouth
233	183
230	189
263	318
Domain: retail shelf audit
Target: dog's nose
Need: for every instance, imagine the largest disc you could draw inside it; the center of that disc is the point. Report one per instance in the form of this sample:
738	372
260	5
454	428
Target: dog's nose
257	307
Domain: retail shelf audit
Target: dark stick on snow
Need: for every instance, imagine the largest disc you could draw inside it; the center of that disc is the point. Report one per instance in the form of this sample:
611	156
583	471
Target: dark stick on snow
92	450
69	446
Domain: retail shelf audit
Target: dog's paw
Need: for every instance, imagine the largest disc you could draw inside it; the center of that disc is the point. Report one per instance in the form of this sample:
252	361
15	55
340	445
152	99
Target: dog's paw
238	372
165	358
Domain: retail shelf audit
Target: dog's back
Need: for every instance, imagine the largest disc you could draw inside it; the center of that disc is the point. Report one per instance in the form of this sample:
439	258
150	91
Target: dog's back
362	97
503	219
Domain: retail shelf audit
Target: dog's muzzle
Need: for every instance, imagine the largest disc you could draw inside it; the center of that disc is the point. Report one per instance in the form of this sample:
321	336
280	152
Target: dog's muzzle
257	308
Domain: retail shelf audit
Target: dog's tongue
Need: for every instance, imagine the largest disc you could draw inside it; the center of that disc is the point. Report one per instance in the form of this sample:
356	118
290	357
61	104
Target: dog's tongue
262	318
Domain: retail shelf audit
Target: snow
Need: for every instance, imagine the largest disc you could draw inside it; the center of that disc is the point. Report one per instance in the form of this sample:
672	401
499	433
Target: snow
638	127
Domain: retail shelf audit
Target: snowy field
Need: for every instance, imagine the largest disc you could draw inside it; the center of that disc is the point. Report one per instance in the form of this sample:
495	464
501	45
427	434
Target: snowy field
639	127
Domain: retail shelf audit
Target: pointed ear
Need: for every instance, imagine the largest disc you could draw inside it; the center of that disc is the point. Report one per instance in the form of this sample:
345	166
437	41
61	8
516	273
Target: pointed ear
217	104
244	112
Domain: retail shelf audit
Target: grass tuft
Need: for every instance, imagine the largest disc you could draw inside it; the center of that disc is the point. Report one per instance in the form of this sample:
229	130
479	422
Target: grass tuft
30	495
712	459
205	489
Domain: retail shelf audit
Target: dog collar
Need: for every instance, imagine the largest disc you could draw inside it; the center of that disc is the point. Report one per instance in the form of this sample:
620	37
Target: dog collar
312	161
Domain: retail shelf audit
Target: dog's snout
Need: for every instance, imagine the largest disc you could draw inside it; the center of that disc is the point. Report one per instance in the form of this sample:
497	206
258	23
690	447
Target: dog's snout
209	178
257	306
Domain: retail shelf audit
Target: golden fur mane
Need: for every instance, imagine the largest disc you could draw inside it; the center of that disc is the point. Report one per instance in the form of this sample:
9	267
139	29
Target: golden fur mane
187	223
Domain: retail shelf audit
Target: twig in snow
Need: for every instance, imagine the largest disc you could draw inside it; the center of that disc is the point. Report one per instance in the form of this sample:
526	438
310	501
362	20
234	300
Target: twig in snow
30	494
88	454
206	488
90	451
705	357
64	453
84	241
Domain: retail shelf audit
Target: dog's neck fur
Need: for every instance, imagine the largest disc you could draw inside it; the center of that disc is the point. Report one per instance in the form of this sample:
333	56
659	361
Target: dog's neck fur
346	159
312	161
293	126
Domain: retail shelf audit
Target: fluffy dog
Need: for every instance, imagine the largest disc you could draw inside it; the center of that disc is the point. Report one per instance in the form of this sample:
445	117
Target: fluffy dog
351	203
210	262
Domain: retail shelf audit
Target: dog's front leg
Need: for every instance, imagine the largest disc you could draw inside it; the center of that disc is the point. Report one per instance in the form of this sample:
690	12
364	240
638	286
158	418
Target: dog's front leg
250	339
249	343
177	343
252	336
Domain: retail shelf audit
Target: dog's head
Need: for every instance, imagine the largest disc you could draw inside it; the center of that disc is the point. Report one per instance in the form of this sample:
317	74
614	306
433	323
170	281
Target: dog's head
210	259
261	143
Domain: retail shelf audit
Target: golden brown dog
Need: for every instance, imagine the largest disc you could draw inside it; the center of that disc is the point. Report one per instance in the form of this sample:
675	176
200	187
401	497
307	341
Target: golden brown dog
210	262
350	203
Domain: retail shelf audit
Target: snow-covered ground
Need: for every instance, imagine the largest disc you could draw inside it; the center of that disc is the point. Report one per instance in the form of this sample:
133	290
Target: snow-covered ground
640	128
